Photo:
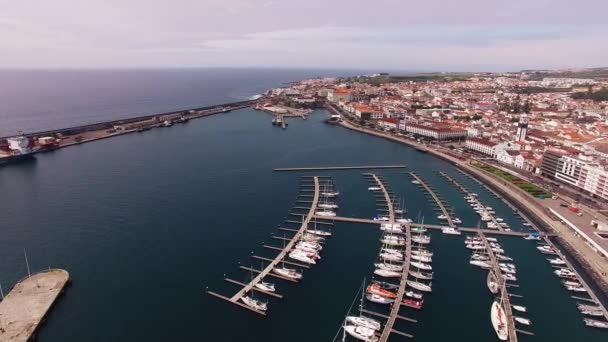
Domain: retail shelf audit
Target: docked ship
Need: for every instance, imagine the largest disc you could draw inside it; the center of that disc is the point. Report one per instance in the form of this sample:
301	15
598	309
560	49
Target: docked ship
19	148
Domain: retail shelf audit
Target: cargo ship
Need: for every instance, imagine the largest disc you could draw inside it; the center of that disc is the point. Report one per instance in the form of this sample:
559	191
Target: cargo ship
19	148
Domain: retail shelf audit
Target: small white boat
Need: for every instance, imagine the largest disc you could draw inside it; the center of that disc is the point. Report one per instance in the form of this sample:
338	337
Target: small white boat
522	320
596	324
381	218
509	277
327	206
330	194
503	257
594	313
415	182
422	239
499	321
361	333
418	230
325	213
450	231
576	288
254	304
363	321
486	218
378	299
557	261
374	188
268	287
457	220
404	220
413	294
318	232
420	286
498	219
519	308
442	217
386	273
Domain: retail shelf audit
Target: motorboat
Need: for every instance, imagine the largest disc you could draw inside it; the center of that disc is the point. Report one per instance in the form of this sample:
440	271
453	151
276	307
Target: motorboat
327	206
509	277
415	304
499	321
579	288
480	257
457	220
325	213
532	237
288	273
557	261
545	249
571	283
377	289
442	217
330	193
378	299
415	182
507	264
254	304
318	232
268	287
381	218
508	270
386	273
595	324
361	333
450	231
564	273
420	286
519	308
421	265
413	294
503	257
486	218
365	322
374	188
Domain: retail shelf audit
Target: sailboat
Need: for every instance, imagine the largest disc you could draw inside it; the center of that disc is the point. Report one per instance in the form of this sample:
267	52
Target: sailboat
316	231
252	302
361	320
499	320
287	272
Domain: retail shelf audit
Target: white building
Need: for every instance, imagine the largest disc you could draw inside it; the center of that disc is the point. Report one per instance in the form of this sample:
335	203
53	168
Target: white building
437	133
481	145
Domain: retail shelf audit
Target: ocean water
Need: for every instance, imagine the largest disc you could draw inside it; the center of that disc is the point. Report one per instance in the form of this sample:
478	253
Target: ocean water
39	100
146	222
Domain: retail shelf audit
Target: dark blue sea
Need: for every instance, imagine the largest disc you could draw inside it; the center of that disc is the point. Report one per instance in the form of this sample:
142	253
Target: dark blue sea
146	222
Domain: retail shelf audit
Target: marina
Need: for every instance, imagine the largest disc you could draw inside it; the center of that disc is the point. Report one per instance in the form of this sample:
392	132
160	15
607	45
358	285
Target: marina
180	235
329	168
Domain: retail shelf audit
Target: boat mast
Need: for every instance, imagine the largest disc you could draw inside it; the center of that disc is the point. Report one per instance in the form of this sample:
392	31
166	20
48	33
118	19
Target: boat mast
27	264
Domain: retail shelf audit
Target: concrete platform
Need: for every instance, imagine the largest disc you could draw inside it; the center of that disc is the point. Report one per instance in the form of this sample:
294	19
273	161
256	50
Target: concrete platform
28	302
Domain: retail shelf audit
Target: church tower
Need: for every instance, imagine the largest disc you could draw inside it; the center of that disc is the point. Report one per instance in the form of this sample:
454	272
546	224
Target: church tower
522	128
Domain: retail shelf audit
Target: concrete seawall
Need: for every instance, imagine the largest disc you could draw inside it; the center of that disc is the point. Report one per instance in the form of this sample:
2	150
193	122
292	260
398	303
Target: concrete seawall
26	305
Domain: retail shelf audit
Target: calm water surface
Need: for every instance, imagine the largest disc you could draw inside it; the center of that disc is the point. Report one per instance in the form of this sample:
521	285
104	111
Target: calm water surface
145	222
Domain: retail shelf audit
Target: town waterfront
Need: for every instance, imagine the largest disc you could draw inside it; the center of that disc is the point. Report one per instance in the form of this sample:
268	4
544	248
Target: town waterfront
145	222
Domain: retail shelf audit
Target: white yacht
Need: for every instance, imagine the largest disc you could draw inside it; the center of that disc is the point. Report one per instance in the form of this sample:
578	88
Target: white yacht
499	321
301	256
318	232
361	333
420	286
325	213
378	299
422	258
253	303
421	265
450	231
363	321
268	287
327	206
287	272
386	273
374	188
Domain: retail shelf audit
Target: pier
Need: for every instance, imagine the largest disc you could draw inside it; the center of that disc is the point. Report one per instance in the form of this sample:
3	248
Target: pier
329	168
388	326
278	259
387	198
506	301
436	198
25	307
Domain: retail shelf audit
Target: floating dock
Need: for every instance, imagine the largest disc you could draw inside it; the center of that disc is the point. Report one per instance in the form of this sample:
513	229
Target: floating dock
506	301
261	274
436	198
24	308
326	168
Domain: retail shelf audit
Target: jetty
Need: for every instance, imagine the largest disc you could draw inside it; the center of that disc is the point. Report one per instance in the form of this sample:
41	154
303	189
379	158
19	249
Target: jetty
329	168
506	301
26	305
388	326
261	274
436	198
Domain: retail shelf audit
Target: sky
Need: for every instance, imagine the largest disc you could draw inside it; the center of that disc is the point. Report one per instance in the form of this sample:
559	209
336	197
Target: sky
413	35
